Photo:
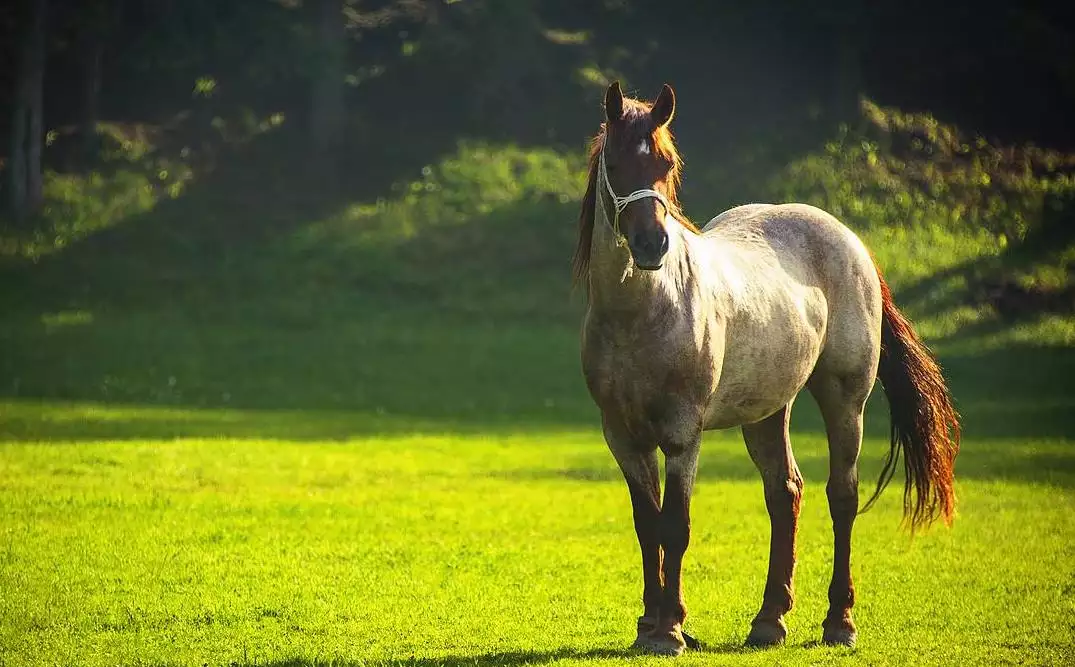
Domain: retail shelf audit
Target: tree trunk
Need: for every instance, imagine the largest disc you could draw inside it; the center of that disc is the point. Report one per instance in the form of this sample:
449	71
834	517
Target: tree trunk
98	24
16	169
91	109
27	135
326	103
36	136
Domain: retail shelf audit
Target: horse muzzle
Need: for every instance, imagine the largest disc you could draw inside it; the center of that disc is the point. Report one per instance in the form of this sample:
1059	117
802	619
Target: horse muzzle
649	248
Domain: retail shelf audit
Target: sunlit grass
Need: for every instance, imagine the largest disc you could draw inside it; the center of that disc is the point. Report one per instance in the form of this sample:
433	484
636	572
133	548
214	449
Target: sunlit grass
496	549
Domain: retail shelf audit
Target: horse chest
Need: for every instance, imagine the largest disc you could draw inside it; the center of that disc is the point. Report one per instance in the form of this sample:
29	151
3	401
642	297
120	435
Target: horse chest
655	388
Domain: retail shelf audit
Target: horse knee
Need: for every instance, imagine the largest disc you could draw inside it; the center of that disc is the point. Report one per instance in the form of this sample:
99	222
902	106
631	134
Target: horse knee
784	492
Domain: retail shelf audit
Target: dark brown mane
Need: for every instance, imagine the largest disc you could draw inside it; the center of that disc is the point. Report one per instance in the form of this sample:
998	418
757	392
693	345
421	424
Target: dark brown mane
636	127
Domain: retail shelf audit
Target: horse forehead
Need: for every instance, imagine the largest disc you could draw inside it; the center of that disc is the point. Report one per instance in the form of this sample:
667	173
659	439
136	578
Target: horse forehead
634	132
637	148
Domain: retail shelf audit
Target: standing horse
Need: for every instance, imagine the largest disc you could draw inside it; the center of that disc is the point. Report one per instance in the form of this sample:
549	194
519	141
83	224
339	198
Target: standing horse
689	330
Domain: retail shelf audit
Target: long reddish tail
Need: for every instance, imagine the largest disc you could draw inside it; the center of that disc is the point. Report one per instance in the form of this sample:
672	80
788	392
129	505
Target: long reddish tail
925	425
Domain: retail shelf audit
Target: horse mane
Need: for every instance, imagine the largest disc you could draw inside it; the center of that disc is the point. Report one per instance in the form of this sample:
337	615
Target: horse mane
637	125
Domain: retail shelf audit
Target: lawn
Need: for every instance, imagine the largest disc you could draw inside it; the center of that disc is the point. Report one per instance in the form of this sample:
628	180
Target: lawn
355	443
502	548
458	514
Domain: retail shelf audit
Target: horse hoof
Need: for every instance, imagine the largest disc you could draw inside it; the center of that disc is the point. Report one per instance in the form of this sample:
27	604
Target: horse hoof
662	642
646	626
667	648
765	633
839	636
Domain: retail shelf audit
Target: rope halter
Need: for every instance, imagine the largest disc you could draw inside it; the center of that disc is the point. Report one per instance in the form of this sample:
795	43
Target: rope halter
621	202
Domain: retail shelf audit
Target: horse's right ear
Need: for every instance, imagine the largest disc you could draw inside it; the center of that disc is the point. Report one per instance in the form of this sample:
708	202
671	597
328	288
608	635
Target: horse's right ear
614	102
664	107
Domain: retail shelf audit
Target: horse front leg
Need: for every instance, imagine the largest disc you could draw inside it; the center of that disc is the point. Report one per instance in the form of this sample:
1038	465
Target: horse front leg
770	448
639	466
681	466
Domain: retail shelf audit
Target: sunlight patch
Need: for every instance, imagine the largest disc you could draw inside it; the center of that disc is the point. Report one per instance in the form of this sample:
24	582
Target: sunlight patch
66	318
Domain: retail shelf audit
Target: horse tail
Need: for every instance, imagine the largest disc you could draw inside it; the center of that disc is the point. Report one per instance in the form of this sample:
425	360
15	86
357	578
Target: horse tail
925	425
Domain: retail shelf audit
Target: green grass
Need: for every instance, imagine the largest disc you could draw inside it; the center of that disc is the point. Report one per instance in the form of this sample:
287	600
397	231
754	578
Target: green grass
484	549
366	442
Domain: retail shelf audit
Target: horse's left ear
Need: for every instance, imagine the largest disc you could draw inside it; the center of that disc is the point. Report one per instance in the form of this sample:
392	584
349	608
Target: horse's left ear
665	107
614	102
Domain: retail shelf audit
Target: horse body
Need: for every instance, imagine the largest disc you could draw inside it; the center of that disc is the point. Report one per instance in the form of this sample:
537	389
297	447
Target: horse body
688	330
738	317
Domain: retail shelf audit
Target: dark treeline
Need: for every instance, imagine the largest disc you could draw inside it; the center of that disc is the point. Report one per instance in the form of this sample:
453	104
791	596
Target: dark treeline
356	79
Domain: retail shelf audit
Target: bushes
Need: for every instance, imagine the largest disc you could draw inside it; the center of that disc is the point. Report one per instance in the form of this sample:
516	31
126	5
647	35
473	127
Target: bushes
897	169
475	181
129	178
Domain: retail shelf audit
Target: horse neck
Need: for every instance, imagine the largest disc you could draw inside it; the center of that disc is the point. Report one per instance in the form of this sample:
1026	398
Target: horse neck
618	287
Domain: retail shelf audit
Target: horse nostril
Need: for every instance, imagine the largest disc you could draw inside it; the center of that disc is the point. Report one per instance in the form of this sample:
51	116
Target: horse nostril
664	243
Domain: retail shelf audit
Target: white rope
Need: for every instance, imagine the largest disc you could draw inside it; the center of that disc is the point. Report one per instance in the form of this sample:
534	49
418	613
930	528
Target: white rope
621	202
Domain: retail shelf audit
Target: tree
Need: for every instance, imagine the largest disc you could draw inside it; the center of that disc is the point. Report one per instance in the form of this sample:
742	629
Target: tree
96	22
25	189
326	101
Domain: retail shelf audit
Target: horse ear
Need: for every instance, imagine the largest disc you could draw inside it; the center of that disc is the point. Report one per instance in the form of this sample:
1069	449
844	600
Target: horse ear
614	102
665	106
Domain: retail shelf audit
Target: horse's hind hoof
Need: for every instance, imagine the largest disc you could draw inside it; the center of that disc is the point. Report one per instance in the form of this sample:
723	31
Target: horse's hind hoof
766	633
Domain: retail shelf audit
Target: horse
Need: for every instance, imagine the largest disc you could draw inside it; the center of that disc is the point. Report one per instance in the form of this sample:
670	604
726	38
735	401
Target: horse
687	330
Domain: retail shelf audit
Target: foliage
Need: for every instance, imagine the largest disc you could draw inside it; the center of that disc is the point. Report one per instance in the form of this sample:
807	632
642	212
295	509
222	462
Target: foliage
132	176
897	168
478	179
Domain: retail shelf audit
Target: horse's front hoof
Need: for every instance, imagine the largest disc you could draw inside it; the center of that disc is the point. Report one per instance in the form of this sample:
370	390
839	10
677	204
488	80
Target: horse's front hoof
646	626
662	642
839	633
765	633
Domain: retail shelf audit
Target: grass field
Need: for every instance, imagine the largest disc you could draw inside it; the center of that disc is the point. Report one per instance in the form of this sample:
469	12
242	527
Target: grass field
480	549
296	451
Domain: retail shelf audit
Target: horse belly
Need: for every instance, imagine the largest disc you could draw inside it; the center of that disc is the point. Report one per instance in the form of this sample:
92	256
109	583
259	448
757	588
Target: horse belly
763	370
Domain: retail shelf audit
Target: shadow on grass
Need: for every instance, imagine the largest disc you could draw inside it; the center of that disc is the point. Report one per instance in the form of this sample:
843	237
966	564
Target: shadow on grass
64	422
506	658
162	376
1045	245
1051	463
1017	405
513	658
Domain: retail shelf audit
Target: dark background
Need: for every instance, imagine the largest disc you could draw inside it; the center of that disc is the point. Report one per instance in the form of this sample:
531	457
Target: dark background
421	70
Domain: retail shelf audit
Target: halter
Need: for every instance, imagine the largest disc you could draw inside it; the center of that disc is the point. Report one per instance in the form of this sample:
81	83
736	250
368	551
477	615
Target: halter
621	202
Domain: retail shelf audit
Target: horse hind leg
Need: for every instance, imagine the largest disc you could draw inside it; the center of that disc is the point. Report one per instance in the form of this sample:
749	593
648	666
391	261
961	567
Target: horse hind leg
769	445
841	398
